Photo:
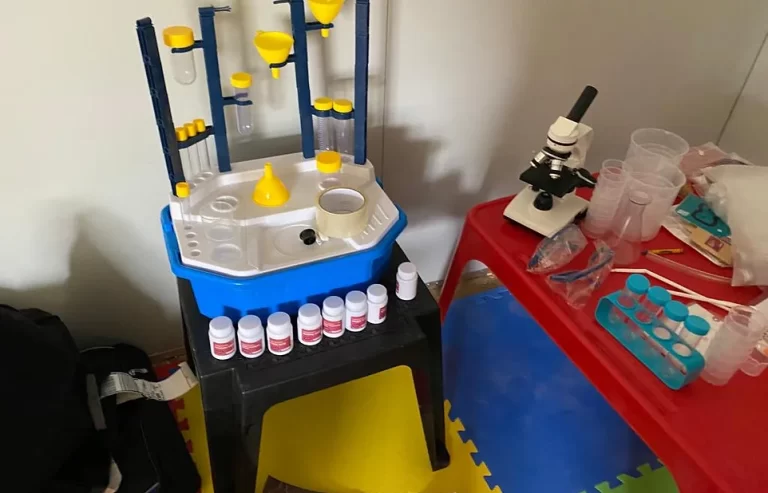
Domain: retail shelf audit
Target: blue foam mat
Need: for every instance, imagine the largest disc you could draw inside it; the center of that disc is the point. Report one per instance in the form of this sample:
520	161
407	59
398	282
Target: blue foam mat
538	424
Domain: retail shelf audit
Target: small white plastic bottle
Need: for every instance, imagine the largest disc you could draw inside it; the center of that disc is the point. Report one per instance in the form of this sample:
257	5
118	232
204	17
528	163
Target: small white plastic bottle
356	311
309	324
377	303
221	334
250	336
279	334
333	317
406	281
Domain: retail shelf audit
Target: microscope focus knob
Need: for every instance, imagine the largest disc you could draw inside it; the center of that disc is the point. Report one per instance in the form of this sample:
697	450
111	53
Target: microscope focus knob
543	201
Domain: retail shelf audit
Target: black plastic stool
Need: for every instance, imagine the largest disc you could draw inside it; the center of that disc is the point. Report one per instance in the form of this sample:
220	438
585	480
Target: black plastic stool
237	393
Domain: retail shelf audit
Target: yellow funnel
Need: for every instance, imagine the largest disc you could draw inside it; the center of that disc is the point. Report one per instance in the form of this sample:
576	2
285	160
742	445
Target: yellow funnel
274	47
325	11
269	190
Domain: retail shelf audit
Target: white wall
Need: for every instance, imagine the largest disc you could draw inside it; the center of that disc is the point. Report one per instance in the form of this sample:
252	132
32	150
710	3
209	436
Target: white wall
83	175
473	86
745	133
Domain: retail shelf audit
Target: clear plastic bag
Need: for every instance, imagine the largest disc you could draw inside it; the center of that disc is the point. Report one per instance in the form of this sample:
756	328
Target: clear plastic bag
553	253
577	286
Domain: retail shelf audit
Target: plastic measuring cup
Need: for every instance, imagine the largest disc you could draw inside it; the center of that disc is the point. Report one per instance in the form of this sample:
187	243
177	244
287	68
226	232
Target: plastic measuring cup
605	199
650	142
655	176
732	344
758	358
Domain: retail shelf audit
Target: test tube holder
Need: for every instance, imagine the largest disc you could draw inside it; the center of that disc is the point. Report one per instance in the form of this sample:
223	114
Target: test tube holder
664	357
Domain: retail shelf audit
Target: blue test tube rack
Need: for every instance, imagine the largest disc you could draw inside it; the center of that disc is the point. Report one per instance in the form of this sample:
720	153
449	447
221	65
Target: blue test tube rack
666	358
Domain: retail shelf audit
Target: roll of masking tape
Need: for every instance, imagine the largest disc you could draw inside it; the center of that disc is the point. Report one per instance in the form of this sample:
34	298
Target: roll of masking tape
341	212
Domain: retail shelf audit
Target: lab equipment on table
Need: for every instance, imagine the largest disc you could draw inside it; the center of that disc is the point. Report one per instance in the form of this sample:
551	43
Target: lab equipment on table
279	334
673	315
309	324
181	136
628	229
270	191
758	358
356	311
341	212
661	181
548	203
194	157
250	336
733	342
333	317
659	349
325	11
605	199
221	334
696	211
693	329
577	286
182	192
344	126
202	148
635	288
241	82
653	304
324	134
645	142
687	269
377	303
274	47
181	40
557	251
406	281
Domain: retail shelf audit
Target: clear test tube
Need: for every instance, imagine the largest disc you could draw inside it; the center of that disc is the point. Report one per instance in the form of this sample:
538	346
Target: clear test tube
182	62
653	304
194	157
202	147
693	329
181	136
344	126
324	136
241	82
182	193
673	315
635	288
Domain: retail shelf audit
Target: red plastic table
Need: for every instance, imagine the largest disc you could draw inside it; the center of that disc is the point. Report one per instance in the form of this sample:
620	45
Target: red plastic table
711	438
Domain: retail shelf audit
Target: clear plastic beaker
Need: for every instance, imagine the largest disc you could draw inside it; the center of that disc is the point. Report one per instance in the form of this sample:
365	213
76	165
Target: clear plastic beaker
241	81
183	62
662	181
732	344
324	136
344	126
605	199
627	242
650	142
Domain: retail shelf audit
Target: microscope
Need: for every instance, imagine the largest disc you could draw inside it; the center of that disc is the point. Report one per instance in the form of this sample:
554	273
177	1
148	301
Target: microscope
549	203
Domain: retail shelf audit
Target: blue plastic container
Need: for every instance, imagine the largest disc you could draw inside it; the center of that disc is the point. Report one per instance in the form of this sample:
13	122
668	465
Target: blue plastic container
284	290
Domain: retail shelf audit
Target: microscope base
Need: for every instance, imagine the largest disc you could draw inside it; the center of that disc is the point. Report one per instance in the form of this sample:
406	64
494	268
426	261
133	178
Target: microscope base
547	223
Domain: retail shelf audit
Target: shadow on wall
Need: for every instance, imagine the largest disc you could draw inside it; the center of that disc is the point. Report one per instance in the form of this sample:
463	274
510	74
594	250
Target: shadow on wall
99	304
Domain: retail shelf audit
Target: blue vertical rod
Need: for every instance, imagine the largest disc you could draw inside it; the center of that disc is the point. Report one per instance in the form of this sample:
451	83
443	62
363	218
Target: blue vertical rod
159	95
362	30
213	76
301	62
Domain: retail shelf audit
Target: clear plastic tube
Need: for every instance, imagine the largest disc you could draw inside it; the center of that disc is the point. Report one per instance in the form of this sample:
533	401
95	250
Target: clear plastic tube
194	156
323	125
241	82
686	269
344	128
183	67
181	136
182	62
202	147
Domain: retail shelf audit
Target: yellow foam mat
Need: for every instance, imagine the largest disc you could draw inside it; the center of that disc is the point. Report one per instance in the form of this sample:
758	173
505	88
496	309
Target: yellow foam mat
364	436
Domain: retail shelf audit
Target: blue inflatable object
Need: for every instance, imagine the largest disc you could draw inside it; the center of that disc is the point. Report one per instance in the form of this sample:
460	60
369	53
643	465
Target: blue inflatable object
284	290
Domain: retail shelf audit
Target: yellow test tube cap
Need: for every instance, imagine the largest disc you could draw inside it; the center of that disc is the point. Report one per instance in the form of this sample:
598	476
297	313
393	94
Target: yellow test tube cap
323	104
342	105
178	37
328	162
199	125
182	190
181	134
241	80
191	129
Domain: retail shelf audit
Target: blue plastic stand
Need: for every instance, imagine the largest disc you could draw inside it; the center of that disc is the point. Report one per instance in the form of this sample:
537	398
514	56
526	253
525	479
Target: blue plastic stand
537	422
668	357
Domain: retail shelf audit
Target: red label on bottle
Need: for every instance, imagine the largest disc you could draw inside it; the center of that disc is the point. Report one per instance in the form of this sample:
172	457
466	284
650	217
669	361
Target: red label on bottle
279	345
251	347
397	286
383	312
332	326
311	335
357	322
224	348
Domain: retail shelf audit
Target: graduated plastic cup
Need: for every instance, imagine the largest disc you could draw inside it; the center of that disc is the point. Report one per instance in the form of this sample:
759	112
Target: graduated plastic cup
659	178
732	344
650	142
605	199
